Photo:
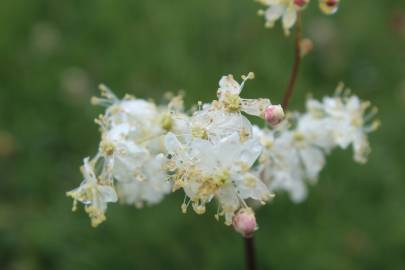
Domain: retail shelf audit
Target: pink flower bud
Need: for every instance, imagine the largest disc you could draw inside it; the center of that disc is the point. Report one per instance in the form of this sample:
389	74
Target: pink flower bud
300	3
274	114
244	222
331	3
329	6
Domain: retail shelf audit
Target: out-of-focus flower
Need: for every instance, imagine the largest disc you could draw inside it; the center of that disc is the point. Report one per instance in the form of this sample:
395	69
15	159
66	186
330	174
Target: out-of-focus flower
294	153
350	120
329	6
75	85
7	144
45	37
287	11
280	165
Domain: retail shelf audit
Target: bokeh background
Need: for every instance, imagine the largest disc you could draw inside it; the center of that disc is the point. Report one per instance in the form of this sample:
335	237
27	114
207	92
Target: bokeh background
53	53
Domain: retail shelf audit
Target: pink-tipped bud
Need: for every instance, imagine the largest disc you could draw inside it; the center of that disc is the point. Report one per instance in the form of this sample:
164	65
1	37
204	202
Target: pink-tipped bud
300	3
329	6
331	3
244	222
274	114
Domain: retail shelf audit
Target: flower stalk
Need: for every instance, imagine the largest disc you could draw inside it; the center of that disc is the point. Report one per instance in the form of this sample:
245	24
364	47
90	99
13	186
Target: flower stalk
297	62
250	253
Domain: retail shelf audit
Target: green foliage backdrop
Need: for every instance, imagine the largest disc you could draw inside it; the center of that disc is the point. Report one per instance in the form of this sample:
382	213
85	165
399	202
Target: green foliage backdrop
54	53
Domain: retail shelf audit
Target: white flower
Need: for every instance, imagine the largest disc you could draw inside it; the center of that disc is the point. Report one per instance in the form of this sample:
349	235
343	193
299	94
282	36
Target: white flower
224	117
132	141
131	147
213	124
92	194
228	95
291	156
294	153
286	10
150	185
281	166
350	123
206	170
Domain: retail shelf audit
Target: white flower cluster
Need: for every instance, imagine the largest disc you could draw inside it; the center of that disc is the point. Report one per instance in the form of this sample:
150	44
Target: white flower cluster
130	164
294	153
215	157
215	153
287	11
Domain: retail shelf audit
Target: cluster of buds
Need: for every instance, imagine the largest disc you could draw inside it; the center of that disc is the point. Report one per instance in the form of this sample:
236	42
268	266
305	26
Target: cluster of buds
215	154
287	11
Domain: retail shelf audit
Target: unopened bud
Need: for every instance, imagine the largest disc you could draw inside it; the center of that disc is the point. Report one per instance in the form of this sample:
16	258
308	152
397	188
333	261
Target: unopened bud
306	46
274	114
329	6
244	222
300	3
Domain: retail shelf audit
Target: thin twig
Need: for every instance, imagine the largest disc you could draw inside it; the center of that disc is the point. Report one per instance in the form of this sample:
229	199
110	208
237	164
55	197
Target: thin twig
250	253
296	65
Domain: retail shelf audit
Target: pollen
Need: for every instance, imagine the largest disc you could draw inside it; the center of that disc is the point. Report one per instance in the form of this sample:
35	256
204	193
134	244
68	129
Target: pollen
107	148
232	103
199	132
166	121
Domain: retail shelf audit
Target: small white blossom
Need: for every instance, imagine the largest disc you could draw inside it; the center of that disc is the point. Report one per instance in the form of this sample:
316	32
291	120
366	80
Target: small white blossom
93	194
350	120
224	117
150	187
294	153
229	96
206	170
287	11
131	147
281	164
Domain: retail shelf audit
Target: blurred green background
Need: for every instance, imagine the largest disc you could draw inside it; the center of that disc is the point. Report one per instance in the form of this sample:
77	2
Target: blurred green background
53	53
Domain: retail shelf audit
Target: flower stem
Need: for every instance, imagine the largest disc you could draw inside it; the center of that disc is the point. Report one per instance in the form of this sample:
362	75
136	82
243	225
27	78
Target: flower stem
250	253
297	61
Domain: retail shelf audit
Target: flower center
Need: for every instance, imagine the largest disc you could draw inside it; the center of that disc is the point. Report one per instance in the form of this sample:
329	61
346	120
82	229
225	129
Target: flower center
166	121
199	132
232	103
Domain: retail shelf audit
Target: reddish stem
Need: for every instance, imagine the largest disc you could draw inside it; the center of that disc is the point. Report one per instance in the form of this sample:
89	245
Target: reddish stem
250	253
297	61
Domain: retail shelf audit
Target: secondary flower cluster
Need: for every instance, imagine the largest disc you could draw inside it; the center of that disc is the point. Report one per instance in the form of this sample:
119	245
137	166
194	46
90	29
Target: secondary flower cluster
287	11
294	153
215	154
